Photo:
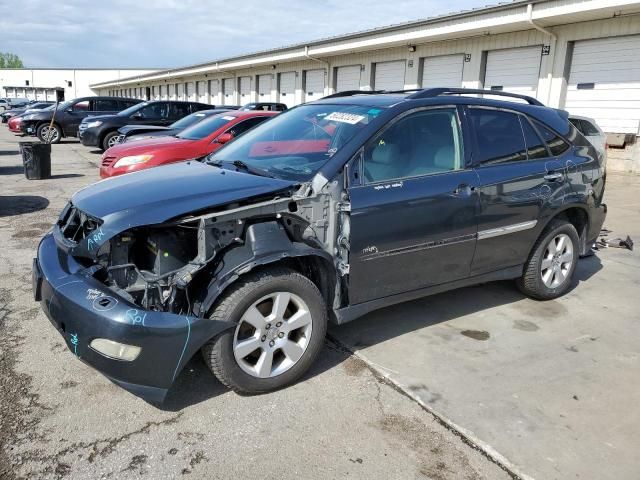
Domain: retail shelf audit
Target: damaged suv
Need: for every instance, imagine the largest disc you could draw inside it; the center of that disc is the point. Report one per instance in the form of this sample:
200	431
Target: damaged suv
331	210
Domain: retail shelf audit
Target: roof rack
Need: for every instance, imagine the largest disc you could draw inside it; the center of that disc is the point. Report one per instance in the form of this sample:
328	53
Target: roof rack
349	93
436	92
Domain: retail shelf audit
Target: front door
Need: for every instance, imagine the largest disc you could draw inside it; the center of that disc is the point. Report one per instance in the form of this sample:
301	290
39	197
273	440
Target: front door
74	115
413	221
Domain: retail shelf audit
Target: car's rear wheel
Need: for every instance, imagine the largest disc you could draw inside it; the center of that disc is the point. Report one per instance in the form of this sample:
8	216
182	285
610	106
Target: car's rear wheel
49	133
281	324
109	140
552	263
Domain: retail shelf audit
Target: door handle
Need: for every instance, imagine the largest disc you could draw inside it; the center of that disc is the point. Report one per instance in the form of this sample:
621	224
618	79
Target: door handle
553	176
463	189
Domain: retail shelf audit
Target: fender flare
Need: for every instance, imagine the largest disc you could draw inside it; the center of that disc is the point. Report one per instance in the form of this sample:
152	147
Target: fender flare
265	243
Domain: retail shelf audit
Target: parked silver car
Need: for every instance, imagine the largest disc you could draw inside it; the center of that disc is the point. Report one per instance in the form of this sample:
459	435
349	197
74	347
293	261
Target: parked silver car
590	129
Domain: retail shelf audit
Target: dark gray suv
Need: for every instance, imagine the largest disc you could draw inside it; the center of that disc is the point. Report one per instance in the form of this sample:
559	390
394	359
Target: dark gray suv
324	213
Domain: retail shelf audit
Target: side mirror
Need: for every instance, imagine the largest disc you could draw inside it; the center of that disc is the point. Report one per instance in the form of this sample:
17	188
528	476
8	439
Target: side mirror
224	138
69	110
137	115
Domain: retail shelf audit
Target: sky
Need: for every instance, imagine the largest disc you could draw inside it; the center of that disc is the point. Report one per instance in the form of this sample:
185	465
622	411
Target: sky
173	33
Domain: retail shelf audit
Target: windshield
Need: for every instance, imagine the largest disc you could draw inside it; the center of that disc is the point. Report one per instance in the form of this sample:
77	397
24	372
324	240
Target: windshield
295	144
206	127
128	111
188	120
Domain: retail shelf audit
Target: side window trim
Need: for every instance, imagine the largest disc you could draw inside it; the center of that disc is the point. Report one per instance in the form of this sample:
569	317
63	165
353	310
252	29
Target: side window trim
461	139
525	118
569	144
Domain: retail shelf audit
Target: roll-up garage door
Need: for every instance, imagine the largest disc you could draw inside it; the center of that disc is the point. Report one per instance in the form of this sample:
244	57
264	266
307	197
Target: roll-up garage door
604	83
245	90
313	85
191	91
514	70
442	71
180	91
348	78
214	92
264	88
227	90
202	91
389	75
288	88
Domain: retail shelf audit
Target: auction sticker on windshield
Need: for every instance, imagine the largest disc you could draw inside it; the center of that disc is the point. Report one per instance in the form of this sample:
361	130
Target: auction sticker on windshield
344	117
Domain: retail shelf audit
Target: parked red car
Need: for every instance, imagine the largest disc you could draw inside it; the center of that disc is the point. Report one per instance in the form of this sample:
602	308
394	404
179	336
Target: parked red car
196	141
14	124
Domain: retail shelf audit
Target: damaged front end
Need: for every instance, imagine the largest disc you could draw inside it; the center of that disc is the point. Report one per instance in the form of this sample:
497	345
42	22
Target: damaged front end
151	287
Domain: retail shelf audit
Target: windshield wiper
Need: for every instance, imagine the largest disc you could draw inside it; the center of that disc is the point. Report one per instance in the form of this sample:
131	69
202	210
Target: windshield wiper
249	169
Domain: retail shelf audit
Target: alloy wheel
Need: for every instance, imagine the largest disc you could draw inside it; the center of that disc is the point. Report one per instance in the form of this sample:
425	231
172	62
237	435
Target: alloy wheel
49	134
557	261
272	335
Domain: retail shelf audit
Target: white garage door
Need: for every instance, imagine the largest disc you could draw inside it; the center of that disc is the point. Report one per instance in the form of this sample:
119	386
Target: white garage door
202	91
313	85
180	91
245	90
288	88
214	92
389	75
442	71
604	83
514	70
191	91
348	78
227	89
264	88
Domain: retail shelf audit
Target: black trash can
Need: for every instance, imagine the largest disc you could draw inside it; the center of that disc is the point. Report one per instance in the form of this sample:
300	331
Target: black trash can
36	158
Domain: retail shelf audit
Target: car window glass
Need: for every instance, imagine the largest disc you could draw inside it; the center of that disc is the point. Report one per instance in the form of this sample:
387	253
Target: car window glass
498	136
154	110
81	106
128	104
536	148
179	110
421	143
556	144
105	105
239	128
588	128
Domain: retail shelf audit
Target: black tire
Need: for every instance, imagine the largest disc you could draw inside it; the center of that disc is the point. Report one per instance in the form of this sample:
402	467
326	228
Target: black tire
531	283
40	132
218	353
108	138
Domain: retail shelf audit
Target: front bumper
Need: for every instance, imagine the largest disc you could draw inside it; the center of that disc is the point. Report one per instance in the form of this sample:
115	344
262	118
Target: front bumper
83	309
89	137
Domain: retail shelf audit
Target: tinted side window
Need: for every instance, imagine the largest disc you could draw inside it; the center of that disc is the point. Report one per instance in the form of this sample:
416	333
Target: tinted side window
179	110
536	148
126	104
556	144
106	105
81	106
498	136
155	110
422	143
239	128
588	128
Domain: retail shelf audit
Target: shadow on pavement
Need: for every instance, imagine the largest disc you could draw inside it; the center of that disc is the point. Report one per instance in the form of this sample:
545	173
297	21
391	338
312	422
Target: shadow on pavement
196	383
21	204
67	175
12	170
9	152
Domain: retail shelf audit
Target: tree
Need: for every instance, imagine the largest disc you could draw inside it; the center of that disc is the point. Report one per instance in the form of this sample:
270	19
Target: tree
9	60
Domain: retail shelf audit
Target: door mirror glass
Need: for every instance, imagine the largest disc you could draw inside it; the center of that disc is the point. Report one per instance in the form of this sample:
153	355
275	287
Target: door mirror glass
224	138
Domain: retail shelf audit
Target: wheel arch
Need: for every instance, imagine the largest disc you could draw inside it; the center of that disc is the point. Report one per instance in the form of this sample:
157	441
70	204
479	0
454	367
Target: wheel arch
576	215
48	122
268	245
104	134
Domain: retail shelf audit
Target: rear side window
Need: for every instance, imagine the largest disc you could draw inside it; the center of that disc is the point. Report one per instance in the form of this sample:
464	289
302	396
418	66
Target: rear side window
104	105
124	104
179	110
557	145
588	128
536	148
498	136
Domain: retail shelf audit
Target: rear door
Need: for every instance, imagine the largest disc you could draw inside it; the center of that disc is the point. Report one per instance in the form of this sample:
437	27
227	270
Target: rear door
413	220
520	177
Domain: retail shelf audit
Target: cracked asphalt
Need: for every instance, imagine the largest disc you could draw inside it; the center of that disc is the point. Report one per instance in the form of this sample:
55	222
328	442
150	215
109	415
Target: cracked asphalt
61	419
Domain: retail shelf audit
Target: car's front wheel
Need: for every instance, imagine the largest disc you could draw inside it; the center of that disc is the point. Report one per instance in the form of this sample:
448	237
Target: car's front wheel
281	323
110	140
552	263
49	133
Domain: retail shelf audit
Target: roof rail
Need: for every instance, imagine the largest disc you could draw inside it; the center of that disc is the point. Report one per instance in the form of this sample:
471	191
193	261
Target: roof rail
436	92
349	93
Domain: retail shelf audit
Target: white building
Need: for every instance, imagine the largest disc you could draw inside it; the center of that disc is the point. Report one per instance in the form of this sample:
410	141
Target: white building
42	83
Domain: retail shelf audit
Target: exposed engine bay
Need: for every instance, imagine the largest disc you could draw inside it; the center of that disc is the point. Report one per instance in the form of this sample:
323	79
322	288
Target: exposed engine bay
170	267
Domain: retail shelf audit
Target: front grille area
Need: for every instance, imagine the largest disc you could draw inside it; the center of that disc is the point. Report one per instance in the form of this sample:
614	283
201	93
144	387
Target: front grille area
108	161
76	225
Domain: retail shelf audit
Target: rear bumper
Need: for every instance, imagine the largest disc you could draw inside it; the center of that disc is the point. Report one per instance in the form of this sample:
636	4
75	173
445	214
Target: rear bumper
82	309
